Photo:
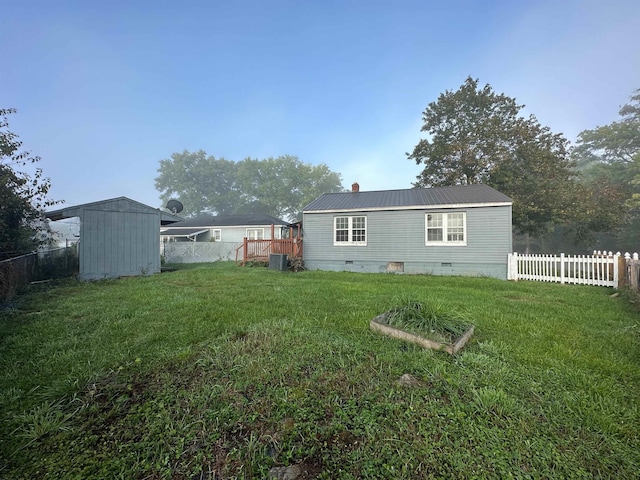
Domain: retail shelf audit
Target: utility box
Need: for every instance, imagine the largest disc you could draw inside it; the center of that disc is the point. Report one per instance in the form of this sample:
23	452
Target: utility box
278	261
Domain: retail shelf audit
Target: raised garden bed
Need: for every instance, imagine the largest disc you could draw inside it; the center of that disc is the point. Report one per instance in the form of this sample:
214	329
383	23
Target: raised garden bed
425	326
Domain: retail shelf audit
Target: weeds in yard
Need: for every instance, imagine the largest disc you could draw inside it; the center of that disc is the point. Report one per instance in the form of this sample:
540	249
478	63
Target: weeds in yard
45	419
429	319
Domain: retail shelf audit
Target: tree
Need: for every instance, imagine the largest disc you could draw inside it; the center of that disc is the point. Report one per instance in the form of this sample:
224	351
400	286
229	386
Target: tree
23	197
478	136
280	186
471	131
204	184
609	160
283	186
539	177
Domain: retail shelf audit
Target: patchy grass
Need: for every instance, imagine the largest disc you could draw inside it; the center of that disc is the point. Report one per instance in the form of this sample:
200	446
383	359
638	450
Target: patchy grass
217	371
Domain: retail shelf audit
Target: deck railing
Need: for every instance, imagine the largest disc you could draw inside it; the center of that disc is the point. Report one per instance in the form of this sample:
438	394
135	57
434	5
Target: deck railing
259	250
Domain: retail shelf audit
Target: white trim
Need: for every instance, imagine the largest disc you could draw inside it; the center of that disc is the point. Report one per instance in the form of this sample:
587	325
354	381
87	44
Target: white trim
444	242
213	234
414	207
350	242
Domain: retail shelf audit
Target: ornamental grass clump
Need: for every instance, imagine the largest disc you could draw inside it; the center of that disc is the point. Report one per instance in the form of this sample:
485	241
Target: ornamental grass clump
430	320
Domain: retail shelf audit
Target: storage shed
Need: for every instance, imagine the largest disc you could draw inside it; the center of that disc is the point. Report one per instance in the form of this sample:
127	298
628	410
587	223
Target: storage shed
118	237
463	230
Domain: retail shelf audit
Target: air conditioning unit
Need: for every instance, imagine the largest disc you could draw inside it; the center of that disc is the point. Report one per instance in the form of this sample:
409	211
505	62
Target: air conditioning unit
278	261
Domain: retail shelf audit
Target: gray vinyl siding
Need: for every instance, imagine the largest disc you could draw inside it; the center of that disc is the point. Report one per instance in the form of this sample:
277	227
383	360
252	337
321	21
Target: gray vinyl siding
237	233
227	233
399	236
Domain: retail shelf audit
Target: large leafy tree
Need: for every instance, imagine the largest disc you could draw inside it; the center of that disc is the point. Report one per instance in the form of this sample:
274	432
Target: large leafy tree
204	184
283	186
478	136
23	196
612	152
470	130
538	175
279	186
609	159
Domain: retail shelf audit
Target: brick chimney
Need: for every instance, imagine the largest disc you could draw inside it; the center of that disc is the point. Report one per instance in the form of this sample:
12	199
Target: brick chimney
355	187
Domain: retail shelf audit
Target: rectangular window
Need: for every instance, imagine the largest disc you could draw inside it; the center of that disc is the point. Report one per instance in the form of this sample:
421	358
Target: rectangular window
255	233
350	230
216	235
446	228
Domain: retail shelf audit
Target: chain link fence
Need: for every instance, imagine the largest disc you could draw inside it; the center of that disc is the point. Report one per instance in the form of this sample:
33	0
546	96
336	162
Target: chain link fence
18	272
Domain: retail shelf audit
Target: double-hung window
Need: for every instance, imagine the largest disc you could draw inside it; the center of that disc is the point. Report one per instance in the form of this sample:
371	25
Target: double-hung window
255	233
216	235
350	230
446	228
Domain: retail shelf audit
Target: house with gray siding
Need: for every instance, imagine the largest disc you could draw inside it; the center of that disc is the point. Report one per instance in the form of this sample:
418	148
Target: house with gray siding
118	237
223	228
461	230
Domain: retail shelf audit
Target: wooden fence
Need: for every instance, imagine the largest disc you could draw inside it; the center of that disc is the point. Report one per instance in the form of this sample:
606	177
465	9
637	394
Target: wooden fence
632	271
601	268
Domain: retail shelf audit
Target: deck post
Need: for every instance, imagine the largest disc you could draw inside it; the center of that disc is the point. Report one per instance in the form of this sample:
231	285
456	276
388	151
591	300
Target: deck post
245	252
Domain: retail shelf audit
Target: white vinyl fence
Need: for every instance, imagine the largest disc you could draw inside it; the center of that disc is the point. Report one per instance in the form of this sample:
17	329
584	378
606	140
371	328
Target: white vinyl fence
196	252
601	268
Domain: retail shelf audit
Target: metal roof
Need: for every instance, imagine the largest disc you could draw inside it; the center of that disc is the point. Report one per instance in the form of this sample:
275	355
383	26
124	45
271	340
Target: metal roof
229	220
409	198
118	203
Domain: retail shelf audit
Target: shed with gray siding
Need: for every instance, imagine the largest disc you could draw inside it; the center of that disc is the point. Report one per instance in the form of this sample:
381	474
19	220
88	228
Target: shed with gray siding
463	230
118	237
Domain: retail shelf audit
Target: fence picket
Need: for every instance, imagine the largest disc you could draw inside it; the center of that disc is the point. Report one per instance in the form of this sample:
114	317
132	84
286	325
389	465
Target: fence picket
600	269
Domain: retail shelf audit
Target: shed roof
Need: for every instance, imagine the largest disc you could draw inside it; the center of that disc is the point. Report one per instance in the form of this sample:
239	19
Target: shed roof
467	195
229	220
117	204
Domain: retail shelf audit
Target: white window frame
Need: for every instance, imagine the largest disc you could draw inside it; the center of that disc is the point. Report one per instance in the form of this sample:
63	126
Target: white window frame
447	229
216	234
258	231
350	231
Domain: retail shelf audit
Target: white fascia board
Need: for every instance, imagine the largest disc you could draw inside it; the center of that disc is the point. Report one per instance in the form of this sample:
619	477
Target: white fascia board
166	233
415	207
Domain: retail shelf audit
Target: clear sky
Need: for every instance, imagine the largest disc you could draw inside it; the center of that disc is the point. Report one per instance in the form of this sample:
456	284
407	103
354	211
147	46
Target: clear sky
105	90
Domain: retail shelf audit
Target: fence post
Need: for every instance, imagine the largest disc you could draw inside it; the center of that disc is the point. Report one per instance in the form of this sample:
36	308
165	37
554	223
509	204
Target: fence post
512	266
616	270
562	268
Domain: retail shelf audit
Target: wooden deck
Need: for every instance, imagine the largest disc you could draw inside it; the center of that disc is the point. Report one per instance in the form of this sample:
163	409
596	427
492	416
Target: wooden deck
259	250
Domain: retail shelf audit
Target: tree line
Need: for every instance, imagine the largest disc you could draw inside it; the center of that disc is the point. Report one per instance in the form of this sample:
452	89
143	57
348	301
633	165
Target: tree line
280	186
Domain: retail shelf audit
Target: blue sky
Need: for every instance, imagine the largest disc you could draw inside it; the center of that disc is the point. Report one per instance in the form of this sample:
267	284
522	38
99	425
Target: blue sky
105	90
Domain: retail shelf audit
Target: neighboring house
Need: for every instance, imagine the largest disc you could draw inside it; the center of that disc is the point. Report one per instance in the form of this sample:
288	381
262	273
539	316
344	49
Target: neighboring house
118	237
463	230
224	228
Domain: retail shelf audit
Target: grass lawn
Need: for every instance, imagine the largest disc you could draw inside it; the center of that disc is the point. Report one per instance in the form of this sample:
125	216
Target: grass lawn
217	371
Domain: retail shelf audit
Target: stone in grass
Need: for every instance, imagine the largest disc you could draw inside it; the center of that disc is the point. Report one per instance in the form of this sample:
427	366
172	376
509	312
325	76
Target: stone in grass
292	472
408	380
379	324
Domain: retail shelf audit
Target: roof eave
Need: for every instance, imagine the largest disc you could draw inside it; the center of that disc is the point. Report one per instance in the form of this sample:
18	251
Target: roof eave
412	207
